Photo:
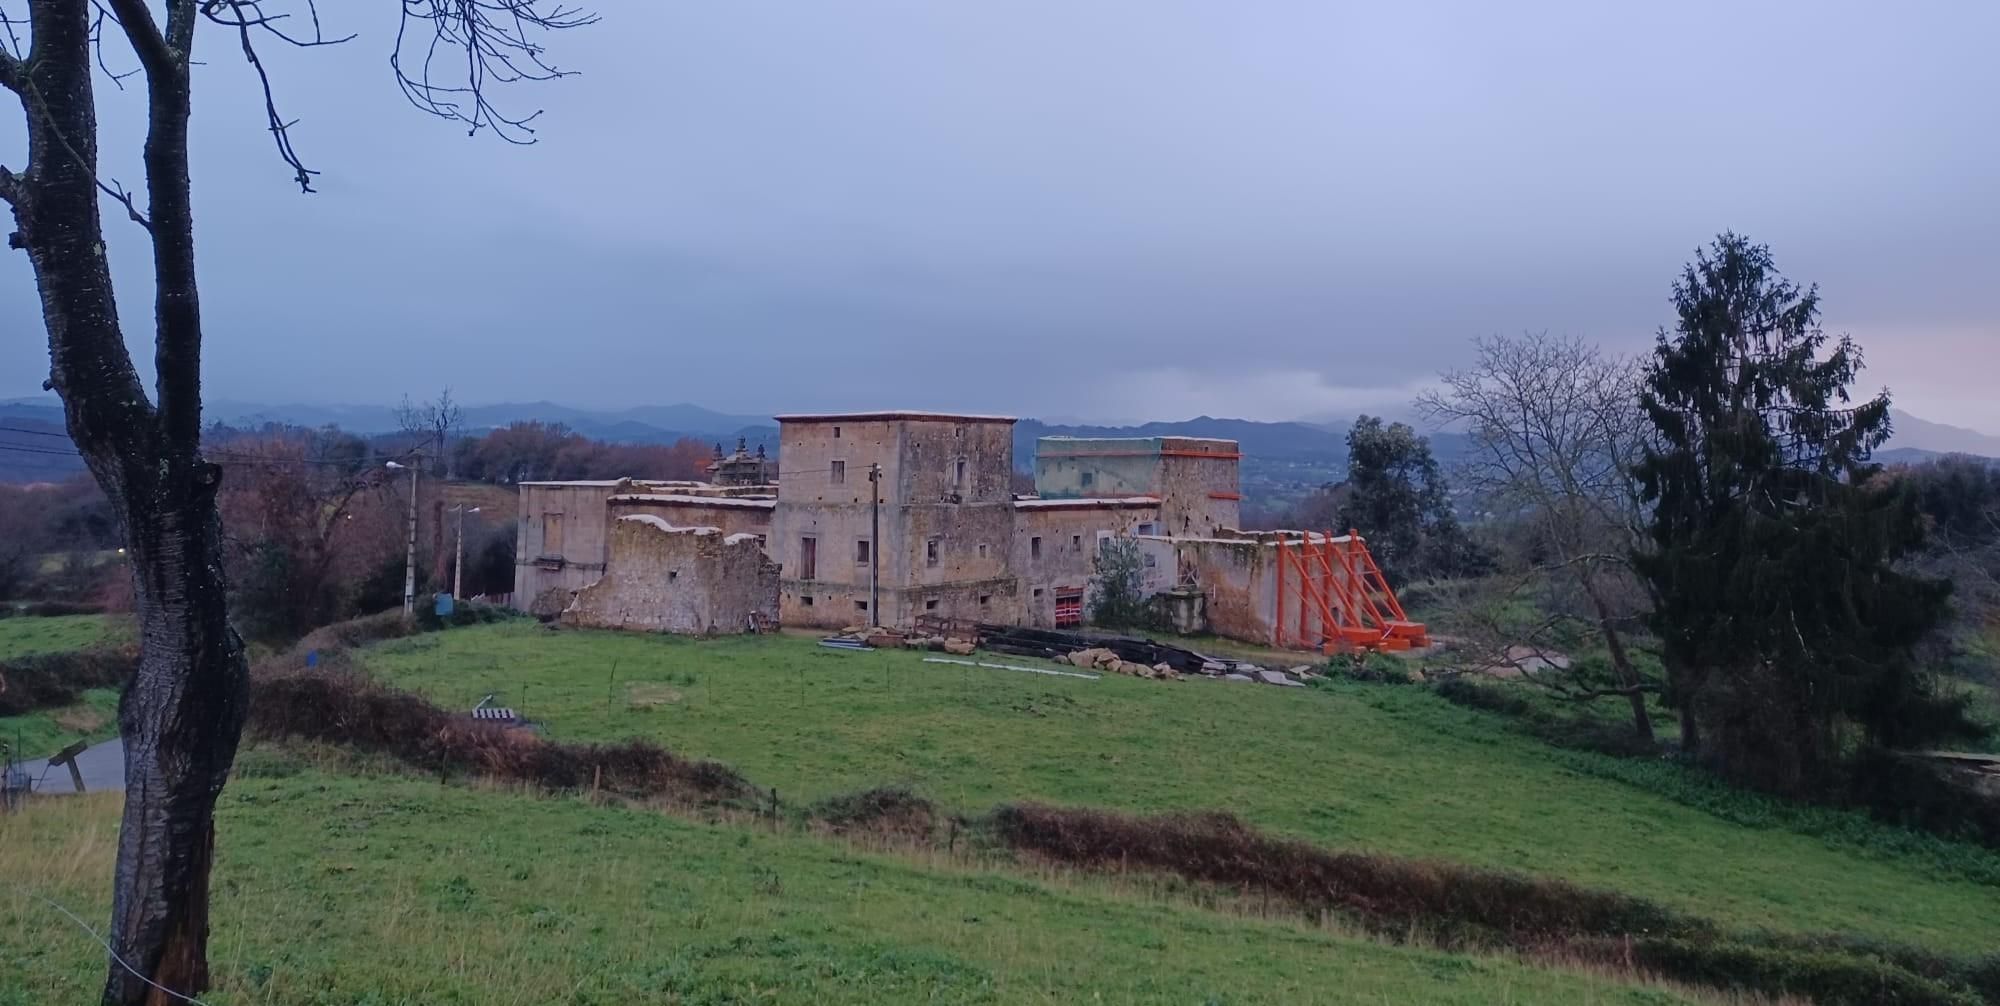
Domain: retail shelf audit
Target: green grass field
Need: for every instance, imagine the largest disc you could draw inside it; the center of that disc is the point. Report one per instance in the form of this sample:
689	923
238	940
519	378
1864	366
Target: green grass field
335	884
21	636
38	734
1379	768
335	889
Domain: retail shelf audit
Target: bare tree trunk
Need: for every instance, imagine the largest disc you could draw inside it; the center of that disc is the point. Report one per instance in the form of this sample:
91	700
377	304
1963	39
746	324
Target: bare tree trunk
181	718
183	711
1621	662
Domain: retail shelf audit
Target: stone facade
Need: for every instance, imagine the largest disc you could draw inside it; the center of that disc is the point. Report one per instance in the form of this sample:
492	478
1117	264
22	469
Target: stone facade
1245	593
940	533
689	580
743	468
562	539
1056	543
1193	478
941	508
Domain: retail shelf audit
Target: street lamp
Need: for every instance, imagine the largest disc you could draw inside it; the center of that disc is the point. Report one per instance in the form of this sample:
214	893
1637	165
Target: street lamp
410	557
458	563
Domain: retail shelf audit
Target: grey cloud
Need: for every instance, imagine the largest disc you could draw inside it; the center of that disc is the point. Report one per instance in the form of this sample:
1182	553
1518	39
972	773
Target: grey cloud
762	206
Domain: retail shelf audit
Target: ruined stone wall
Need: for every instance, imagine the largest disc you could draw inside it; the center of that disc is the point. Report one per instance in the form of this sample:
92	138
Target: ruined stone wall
1237	578
661	578
1246	594
559	542
731	515
1066	558
1200	493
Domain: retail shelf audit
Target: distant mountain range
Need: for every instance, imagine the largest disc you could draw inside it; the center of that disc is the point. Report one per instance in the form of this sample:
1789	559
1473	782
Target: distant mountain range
1275	454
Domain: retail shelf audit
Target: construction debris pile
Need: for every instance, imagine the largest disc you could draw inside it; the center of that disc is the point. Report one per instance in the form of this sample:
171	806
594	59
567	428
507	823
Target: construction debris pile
1131	656
865	637
1098	658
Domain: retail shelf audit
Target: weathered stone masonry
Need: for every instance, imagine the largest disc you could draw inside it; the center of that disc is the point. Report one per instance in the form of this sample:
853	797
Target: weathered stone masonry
692	580
953	540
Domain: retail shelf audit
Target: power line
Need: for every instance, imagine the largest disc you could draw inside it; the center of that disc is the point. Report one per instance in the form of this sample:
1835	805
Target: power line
106	944
359	463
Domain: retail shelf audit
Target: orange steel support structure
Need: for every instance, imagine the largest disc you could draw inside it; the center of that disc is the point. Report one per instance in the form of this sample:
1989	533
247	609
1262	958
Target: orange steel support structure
1339	598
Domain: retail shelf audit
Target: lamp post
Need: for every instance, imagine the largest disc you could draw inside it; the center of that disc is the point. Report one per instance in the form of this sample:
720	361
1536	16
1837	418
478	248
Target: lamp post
410	556
458	562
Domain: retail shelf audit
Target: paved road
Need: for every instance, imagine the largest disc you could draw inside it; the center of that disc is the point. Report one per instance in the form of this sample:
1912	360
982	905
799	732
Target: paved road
103	768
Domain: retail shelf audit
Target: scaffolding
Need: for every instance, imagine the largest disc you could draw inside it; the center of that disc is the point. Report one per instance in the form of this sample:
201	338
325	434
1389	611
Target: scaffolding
1333	598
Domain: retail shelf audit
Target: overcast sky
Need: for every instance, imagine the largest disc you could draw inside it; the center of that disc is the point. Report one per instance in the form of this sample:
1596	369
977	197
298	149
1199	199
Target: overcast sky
1104	210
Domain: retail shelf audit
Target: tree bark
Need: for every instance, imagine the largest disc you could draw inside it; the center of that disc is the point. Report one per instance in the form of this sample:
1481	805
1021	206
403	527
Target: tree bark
183	711
1621	662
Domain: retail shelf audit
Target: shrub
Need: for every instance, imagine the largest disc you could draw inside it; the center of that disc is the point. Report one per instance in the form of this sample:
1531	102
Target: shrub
51	609
341	707
49	680
1898	790
1464	691
885	810
1457	903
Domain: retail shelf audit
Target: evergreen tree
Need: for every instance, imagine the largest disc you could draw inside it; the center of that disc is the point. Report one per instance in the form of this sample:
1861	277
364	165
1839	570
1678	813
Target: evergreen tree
1787	628
1397	498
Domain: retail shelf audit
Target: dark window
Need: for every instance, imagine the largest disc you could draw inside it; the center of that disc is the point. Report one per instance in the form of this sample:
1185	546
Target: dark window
836	433
960	477
861	606
983	598
861	550
673	574
1035	547
1038	593
1076	541
930	604
1087	479
808	558
931	552
1146	528
838	474
806	599
982	550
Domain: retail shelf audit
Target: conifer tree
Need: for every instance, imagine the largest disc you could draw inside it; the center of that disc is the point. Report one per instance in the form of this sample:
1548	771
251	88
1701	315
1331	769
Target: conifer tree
1787	627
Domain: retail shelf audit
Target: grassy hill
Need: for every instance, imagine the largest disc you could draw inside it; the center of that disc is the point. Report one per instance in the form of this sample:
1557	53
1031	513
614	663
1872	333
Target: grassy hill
1381	768
344	890
339	882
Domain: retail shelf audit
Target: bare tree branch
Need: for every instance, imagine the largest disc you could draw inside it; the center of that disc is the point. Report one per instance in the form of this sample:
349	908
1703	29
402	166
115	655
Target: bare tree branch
33	97
279	127
136	19
10	187
97	47
500	41
10	53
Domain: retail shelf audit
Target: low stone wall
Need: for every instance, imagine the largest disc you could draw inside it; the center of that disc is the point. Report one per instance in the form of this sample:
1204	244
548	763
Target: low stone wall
688	580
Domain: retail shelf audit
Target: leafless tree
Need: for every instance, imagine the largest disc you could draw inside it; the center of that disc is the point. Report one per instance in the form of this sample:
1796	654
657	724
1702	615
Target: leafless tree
429	425
183	710
1555	425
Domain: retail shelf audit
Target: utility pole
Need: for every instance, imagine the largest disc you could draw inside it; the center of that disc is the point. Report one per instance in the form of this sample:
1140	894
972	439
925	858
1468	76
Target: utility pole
875	544
410	556
458	562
